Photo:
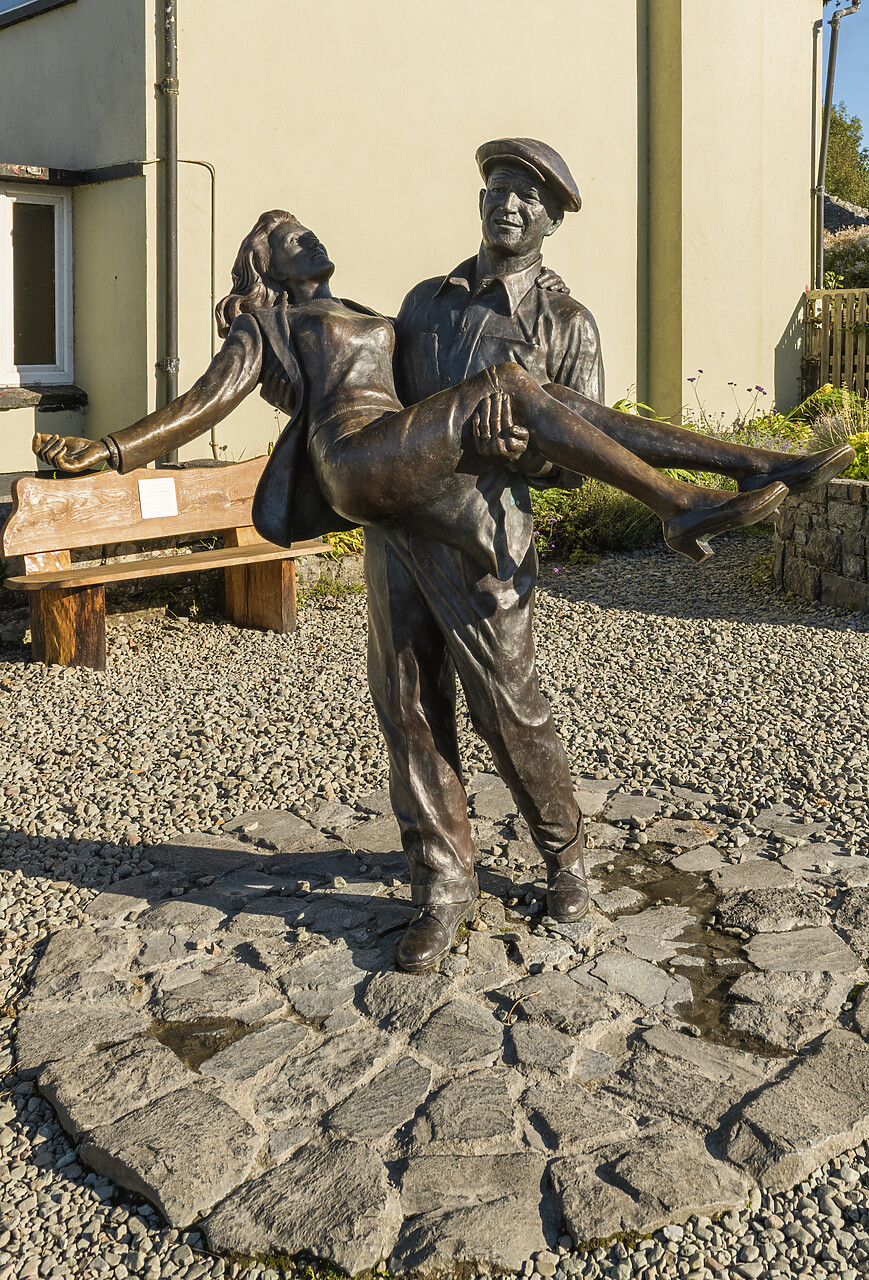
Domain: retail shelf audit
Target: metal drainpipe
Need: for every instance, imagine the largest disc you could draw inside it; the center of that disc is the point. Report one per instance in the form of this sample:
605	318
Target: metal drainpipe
835	22
169	86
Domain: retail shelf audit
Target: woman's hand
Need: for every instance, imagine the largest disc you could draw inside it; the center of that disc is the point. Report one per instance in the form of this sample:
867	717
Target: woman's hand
70	453
551	280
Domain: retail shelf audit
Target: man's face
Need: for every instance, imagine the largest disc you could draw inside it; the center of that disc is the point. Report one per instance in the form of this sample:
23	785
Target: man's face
517	211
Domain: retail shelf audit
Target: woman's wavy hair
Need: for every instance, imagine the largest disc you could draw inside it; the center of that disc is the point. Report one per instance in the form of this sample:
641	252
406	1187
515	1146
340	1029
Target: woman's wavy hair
252	286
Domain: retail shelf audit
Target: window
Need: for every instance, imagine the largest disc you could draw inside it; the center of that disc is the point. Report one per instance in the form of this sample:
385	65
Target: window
17	10
35	287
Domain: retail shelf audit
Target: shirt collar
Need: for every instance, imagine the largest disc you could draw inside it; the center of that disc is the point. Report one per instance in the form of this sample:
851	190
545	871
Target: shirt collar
514	286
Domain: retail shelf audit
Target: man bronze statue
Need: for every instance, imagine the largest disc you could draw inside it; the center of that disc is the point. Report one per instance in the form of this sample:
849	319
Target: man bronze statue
502	378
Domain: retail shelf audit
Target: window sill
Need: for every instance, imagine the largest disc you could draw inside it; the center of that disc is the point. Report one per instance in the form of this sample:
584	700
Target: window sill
43	399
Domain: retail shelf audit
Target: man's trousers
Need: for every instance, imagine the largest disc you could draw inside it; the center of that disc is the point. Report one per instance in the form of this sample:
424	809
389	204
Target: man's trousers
434	613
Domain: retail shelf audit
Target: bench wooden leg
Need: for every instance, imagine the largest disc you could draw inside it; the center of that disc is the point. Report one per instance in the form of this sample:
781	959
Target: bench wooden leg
68	626
262	595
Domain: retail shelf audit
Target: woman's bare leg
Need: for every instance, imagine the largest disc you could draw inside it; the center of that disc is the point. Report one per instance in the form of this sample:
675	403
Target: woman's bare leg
562	436
663	445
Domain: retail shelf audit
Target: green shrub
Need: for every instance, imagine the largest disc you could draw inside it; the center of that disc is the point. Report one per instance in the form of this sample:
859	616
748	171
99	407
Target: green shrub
846	257
349	542
859	469
576	524
842	417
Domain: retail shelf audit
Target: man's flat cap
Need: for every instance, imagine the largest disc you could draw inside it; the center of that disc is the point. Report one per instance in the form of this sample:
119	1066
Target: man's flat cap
544	160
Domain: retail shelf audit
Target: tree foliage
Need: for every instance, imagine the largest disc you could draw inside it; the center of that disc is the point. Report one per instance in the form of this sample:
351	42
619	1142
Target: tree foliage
847	159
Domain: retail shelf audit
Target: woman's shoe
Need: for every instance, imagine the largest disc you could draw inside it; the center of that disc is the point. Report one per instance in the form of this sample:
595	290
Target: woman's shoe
431	934
805	471
690	532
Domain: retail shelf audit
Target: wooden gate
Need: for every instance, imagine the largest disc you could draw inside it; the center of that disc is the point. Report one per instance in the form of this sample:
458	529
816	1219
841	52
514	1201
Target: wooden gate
836	346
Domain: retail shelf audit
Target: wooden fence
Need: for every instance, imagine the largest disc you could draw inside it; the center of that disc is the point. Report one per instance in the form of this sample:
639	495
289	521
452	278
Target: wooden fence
836	346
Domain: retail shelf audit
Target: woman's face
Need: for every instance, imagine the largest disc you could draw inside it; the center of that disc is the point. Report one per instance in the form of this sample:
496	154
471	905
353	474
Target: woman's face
296	256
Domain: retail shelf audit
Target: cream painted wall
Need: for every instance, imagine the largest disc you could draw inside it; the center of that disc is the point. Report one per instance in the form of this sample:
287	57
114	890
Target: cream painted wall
366	128
72	85
16	432
115	304
747	130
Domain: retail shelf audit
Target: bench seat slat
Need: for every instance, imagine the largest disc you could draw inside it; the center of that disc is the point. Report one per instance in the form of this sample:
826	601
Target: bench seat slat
164	566
88	511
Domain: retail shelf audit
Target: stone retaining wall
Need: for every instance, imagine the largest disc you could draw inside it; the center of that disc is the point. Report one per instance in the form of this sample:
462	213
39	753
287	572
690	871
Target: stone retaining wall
822	545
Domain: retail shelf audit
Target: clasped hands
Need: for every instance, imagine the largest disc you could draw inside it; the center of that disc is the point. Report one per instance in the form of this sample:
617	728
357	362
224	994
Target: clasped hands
496	435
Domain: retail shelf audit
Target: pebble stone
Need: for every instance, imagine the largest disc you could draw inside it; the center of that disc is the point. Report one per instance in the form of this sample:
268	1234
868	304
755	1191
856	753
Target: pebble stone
698	682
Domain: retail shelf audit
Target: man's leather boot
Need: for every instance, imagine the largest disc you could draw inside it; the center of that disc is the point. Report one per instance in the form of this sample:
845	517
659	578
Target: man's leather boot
431	933
566	887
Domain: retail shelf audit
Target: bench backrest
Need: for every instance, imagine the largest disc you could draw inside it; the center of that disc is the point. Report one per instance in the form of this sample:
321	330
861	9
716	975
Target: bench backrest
88	511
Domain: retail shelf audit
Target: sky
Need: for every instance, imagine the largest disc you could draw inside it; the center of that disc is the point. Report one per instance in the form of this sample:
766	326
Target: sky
851	85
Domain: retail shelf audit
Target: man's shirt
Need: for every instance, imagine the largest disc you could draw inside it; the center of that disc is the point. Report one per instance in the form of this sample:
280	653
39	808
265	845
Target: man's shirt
452	327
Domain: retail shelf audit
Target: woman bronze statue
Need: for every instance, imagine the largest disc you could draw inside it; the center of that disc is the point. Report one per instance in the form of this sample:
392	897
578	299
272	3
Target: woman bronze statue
352	454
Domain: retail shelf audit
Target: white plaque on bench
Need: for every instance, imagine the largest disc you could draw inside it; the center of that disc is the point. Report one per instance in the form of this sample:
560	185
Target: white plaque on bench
158	498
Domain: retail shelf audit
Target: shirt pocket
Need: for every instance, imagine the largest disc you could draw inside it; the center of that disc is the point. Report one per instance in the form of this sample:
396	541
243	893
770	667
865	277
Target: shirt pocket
419	375
494	350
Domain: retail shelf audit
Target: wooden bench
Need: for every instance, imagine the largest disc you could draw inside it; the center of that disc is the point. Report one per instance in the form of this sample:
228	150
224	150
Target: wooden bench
52	517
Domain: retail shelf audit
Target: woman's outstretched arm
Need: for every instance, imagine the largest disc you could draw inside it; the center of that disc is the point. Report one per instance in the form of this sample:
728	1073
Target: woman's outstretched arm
232	375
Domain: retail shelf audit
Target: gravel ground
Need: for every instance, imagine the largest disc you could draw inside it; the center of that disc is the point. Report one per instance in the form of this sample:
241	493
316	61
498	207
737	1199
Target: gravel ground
658	671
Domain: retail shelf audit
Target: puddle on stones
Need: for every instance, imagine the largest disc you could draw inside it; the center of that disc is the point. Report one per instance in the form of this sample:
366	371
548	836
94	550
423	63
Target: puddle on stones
197	1041
723	955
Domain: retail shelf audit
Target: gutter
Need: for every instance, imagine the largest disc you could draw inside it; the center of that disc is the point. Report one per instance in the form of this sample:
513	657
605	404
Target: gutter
819	191
169	88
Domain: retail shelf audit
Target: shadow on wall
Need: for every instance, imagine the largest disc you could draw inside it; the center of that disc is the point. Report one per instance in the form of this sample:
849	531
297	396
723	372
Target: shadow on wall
788	362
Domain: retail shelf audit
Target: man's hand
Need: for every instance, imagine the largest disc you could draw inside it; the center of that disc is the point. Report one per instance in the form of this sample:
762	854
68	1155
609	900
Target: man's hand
496	435
70	453
551	280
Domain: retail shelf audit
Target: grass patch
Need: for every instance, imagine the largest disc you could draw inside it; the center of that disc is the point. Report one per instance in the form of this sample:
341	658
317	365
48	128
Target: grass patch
760	570
327	588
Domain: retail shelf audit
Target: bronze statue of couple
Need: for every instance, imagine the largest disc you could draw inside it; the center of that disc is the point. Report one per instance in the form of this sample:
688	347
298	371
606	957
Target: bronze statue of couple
428	431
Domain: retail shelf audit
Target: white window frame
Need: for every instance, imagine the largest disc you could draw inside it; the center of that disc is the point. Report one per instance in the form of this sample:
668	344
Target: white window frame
61	371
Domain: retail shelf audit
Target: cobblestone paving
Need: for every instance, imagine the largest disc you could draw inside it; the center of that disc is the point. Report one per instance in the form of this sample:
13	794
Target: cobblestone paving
698	1050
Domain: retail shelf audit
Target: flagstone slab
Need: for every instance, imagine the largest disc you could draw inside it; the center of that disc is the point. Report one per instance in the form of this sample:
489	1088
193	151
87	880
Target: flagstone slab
460	1034
670	1074
815	1110
787	1009
98	1087
570	1118
255	1060
331	1199
771	911
183	1152
806	951
680	834
852	920
384	1104
657	1179
87	949
46	1034
752	873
